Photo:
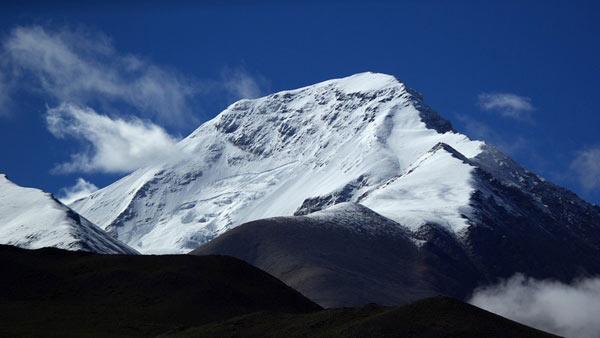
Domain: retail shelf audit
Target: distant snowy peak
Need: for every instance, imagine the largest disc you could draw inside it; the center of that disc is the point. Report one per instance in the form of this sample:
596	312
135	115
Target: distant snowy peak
31	218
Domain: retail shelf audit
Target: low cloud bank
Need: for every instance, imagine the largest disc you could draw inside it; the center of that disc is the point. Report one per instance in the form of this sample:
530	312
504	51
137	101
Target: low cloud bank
570	310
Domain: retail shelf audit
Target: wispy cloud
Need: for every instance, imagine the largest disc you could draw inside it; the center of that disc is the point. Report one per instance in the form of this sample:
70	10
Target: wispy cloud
4	94
567	310
84	67
513	144
507	105
114	145
78	71
586	166
80	189
241	84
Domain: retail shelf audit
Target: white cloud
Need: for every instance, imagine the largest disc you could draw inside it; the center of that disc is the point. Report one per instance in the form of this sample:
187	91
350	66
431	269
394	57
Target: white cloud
114	145
242	85
81	67
77	69
507	105
511	144
66	65
586	166
81	189
568	310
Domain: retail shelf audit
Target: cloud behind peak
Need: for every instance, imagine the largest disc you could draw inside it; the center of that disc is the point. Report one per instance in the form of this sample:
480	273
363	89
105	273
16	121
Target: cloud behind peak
84	67
80	189
114	145
507	105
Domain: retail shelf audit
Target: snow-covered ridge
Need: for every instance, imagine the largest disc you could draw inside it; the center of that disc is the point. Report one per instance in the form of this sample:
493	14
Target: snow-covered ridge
358	218
31	218
336	141
436	188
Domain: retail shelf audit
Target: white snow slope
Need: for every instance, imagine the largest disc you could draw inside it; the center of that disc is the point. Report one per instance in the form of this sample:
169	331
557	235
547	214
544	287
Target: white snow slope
364	138
32	219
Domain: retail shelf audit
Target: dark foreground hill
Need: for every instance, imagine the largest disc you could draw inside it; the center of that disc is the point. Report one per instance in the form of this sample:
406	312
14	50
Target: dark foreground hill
345	256
74	293
348	255
52	292
432	317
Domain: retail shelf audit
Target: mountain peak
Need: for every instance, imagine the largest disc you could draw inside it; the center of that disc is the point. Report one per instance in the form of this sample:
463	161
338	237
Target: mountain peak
315	146
364	82
373	82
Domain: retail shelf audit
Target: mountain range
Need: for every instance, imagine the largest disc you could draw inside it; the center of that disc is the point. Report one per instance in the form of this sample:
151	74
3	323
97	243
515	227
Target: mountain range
351	190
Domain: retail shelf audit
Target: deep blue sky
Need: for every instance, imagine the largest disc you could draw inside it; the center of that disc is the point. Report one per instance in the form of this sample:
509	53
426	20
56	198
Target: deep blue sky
546	51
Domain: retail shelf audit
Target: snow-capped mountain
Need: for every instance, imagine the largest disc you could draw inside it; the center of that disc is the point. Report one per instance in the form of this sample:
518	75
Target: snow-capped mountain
31	218
366	138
